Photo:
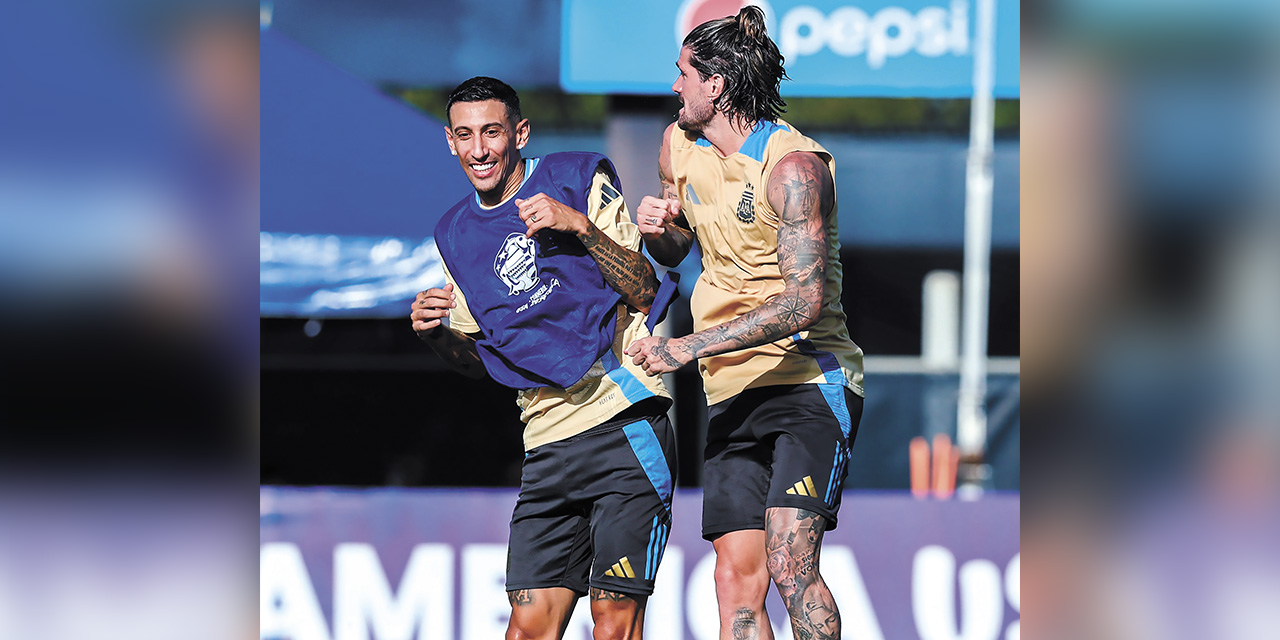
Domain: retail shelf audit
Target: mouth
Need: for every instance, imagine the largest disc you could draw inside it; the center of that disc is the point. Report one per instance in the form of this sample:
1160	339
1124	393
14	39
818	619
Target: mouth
483	170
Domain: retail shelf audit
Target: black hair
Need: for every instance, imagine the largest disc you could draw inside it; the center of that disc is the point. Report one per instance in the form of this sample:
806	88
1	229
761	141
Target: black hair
738	48
481	88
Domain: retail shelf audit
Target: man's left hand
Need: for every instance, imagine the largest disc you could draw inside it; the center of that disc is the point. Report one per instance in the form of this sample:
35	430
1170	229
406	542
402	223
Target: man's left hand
544	212
659	355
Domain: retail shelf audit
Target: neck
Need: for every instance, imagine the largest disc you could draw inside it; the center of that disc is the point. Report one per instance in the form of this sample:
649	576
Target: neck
726	135
509	187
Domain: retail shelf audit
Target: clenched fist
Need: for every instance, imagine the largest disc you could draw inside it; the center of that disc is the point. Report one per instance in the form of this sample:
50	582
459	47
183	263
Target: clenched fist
430	309
653	215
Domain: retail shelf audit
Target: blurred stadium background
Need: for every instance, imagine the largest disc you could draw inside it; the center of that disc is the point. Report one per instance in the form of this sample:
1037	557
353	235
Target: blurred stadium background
388	479
1150	330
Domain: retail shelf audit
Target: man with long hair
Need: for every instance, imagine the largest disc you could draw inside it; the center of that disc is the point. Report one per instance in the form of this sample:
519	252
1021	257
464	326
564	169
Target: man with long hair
783	380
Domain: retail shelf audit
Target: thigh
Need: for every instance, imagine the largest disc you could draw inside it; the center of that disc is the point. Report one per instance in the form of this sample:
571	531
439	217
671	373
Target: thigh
550	543
735	471
631	510
812	427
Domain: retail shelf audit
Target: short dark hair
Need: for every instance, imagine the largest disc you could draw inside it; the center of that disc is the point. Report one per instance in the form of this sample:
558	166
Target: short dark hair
481	88
738	48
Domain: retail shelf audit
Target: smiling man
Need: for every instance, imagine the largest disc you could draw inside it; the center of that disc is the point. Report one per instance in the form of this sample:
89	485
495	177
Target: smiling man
545	287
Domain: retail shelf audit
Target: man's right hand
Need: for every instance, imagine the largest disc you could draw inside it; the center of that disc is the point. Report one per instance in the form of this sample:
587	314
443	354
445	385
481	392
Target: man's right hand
654	214
430	308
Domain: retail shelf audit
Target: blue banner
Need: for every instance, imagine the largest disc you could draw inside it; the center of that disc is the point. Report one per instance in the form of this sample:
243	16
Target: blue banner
837	48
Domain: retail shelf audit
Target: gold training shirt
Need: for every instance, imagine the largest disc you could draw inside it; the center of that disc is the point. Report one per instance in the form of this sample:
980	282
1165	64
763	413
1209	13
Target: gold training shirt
724	201
550	413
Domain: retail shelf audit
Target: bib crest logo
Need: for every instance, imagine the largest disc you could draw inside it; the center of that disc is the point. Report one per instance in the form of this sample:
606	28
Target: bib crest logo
515	264
747	205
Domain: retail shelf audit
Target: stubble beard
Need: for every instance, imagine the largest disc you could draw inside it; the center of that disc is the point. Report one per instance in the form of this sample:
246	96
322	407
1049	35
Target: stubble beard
695	117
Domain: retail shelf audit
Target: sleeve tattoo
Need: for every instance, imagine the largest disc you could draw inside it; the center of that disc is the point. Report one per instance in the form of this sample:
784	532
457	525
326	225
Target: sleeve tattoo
627	271
801	190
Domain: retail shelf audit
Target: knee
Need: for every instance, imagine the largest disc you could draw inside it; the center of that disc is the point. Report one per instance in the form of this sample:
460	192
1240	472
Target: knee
740	580
525	626
617	619
612	628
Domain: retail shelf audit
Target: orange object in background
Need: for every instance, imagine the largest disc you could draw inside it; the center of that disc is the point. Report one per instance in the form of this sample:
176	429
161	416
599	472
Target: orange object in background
946	459
919	460
933	471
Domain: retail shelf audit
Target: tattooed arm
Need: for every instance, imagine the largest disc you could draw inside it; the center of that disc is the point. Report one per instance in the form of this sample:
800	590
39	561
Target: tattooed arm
457	349
800	189
664	229
627	271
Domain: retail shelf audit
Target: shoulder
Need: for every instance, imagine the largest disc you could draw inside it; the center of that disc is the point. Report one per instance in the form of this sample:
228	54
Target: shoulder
797	161
577	160
801	176
453	213
578	166
802	167
785	139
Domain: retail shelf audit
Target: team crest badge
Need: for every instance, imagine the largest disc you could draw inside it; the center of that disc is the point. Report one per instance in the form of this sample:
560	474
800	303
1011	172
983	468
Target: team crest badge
747	205
515	264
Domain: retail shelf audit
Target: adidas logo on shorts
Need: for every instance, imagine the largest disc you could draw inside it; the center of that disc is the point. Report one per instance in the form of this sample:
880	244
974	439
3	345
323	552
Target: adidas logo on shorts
621	569
803	488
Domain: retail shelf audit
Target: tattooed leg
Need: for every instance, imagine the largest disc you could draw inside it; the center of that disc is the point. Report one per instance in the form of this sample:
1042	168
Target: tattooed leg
617	616
742	582
794	544
539	614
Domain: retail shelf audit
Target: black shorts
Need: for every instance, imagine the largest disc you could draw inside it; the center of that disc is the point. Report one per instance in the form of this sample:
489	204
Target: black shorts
780	446
595	509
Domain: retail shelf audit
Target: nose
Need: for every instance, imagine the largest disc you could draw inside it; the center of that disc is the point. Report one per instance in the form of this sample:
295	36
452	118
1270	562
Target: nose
476	149
675	86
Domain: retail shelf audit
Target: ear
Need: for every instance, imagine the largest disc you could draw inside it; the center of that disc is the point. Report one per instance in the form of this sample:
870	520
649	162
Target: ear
522	133
448	136
717	86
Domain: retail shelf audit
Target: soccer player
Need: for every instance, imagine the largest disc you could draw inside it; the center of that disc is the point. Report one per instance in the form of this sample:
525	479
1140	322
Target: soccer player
545	287
783	380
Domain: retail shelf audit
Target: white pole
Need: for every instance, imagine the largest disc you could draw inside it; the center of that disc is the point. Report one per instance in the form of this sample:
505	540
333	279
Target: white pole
940	321
971	424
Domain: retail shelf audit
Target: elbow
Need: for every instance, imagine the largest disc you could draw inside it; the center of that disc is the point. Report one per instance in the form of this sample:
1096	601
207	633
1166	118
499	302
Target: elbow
643	302
806	310
815	314
811	322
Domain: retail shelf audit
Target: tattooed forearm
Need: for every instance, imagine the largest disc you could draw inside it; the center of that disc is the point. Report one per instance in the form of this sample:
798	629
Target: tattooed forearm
612	596
627	271
520	597
801	191
457	349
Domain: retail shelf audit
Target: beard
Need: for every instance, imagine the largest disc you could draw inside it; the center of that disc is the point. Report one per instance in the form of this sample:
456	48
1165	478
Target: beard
695	117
